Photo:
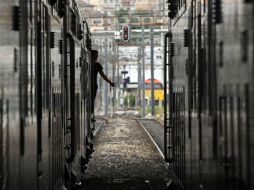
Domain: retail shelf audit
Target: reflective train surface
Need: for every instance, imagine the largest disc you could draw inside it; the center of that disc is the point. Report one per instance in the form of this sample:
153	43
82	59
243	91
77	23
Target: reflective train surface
45	128
209	76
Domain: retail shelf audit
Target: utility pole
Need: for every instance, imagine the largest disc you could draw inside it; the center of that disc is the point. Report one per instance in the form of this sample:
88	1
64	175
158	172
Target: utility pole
113	79
118	74
139	79
143	72
106	72
152	70
100	78
124	88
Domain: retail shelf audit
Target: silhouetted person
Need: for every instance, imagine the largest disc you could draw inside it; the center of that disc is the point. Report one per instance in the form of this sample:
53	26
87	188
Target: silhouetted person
95	69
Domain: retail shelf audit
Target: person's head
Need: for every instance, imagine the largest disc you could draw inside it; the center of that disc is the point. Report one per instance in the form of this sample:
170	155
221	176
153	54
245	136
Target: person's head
94	54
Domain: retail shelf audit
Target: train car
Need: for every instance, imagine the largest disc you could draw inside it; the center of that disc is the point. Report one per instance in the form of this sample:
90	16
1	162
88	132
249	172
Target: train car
209	77
45	123
10	114
234	58
158	91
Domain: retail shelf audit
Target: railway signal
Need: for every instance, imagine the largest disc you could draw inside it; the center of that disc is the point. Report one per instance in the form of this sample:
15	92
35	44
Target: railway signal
125	33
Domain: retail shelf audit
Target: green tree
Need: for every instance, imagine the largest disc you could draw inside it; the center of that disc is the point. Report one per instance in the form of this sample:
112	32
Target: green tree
132	101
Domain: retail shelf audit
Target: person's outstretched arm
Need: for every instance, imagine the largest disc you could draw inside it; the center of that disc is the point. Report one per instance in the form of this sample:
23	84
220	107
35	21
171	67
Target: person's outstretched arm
106	78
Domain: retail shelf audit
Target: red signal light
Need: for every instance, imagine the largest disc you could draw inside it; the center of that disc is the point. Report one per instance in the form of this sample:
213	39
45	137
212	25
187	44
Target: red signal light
125	33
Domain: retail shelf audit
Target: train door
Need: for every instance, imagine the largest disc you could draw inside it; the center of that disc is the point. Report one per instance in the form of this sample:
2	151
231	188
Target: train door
68	69
247	58
89	112
70	129
86	83
28	121
42	94
78	112
83	110
174	118
205	118
87	106
168	93
199	97
44	97
234	147
56	131
252	95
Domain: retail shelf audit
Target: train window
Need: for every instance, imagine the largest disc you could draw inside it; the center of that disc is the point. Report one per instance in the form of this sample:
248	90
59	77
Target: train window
53	69
244	46
22	136
156	86
217	11
73	23
52	2
177	10
61	8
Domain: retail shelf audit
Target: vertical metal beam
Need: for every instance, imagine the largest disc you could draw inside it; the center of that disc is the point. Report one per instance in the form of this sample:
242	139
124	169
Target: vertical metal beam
118	74
152	69
113	79
106	72
143	72
139	79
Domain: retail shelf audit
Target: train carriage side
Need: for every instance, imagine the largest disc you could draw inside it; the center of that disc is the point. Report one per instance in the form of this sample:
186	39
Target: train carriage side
212	59
234	46
251	12
24	159
9	96
178	71
36	134
77	138
86	84
178	89
190	111
56	132
47	174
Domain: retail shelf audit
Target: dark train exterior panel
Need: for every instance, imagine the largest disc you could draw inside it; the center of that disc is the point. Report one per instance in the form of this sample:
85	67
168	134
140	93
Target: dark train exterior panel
213	62
35	131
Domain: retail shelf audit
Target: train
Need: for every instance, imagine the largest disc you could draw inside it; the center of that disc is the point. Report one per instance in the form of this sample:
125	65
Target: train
209	77
158	91
45	112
